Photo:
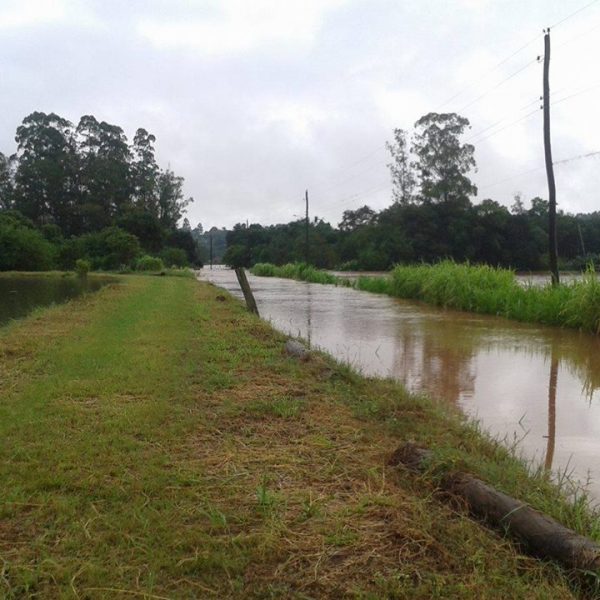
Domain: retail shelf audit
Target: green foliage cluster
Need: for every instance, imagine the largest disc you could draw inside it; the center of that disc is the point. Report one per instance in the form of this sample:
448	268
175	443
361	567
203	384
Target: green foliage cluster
22	247
299	271
149	263
174	257
484	289
82	267
427	231
85	193
281	244
214	238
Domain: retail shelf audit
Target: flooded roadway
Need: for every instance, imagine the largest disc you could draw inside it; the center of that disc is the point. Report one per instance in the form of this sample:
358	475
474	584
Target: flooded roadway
535	385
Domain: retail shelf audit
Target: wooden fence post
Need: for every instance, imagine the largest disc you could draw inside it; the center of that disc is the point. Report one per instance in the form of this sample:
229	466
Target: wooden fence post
248	295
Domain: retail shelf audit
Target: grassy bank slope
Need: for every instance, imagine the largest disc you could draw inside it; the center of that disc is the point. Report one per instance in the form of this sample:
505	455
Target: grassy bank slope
156	443
473	288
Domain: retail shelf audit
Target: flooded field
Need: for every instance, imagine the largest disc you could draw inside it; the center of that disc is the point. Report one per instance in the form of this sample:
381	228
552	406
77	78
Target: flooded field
535	386
20	294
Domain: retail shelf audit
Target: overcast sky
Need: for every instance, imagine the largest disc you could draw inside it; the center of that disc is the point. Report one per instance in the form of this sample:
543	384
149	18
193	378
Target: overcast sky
252	101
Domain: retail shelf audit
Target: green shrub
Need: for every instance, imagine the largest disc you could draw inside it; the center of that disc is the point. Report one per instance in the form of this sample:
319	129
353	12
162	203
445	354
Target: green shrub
82	267
111	248
174	257
149	263
23	248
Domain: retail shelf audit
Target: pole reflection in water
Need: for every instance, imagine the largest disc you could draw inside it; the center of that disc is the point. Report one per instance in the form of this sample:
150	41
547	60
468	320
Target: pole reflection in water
495	370
308	315
551	411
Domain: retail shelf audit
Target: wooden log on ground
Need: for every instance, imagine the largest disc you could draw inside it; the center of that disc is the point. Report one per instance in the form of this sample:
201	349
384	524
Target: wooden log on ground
247	290
538	533
296	349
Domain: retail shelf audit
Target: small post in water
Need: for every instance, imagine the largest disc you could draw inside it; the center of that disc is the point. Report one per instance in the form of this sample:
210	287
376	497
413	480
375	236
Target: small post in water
248	295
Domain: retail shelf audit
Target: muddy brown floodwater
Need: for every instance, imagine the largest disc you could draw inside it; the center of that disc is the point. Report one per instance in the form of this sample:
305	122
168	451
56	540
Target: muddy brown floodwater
535	385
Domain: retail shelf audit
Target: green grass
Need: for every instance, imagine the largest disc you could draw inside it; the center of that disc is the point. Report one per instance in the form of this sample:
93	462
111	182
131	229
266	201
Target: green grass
487	290
299	271
475	288
157	443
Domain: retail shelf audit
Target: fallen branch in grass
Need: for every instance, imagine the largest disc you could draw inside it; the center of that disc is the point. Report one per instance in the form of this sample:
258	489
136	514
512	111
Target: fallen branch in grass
541	535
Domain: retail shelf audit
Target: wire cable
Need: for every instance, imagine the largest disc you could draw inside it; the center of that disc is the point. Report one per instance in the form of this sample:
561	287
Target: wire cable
575	12
491	70
496	86
578	157
556	162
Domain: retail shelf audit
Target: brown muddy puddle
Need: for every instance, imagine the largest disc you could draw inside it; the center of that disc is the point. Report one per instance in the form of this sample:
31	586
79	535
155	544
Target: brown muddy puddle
532	385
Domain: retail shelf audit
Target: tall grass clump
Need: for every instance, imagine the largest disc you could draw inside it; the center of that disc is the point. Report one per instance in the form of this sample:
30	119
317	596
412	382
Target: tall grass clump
582	308
462	286
264	269
487	290
375	285
299	271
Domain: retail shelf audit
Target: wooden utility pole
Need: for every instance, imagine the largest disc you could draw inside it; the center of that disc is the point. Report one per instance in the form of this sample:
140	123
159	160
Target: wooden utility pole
307	248
211	250
584	253
552	243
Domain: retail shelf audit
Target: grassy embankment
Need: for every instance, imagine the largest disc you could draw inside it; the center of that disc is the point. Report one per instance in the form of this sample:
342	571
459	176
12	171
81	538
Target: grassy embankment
156	443
474	288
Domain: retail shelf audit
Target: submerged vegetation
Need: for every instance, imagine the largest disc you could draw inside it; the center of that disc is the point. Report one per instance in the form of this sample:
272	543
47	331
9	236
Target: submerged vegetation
299	271
476	288
157	443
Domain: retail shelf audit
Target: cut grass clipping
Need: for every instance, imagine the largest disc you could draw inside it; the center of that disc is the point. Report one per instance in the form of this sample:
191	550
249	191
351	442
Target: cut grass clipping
157	443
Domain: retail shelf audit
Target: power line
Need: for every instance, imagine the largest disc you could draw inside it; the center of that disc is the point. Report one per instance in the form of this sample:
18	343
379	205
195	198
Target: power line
578	157
510	178
371	191
578	37
513	54
491	70
350	177
513	123
358	195
556	162
575	12
494	87
587	89
362	159
477	136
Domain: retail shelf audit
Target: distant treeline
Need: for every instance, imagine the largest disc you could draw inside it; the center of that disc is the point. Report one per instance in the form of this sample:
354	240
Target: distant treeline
408	233
84	192
432	217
